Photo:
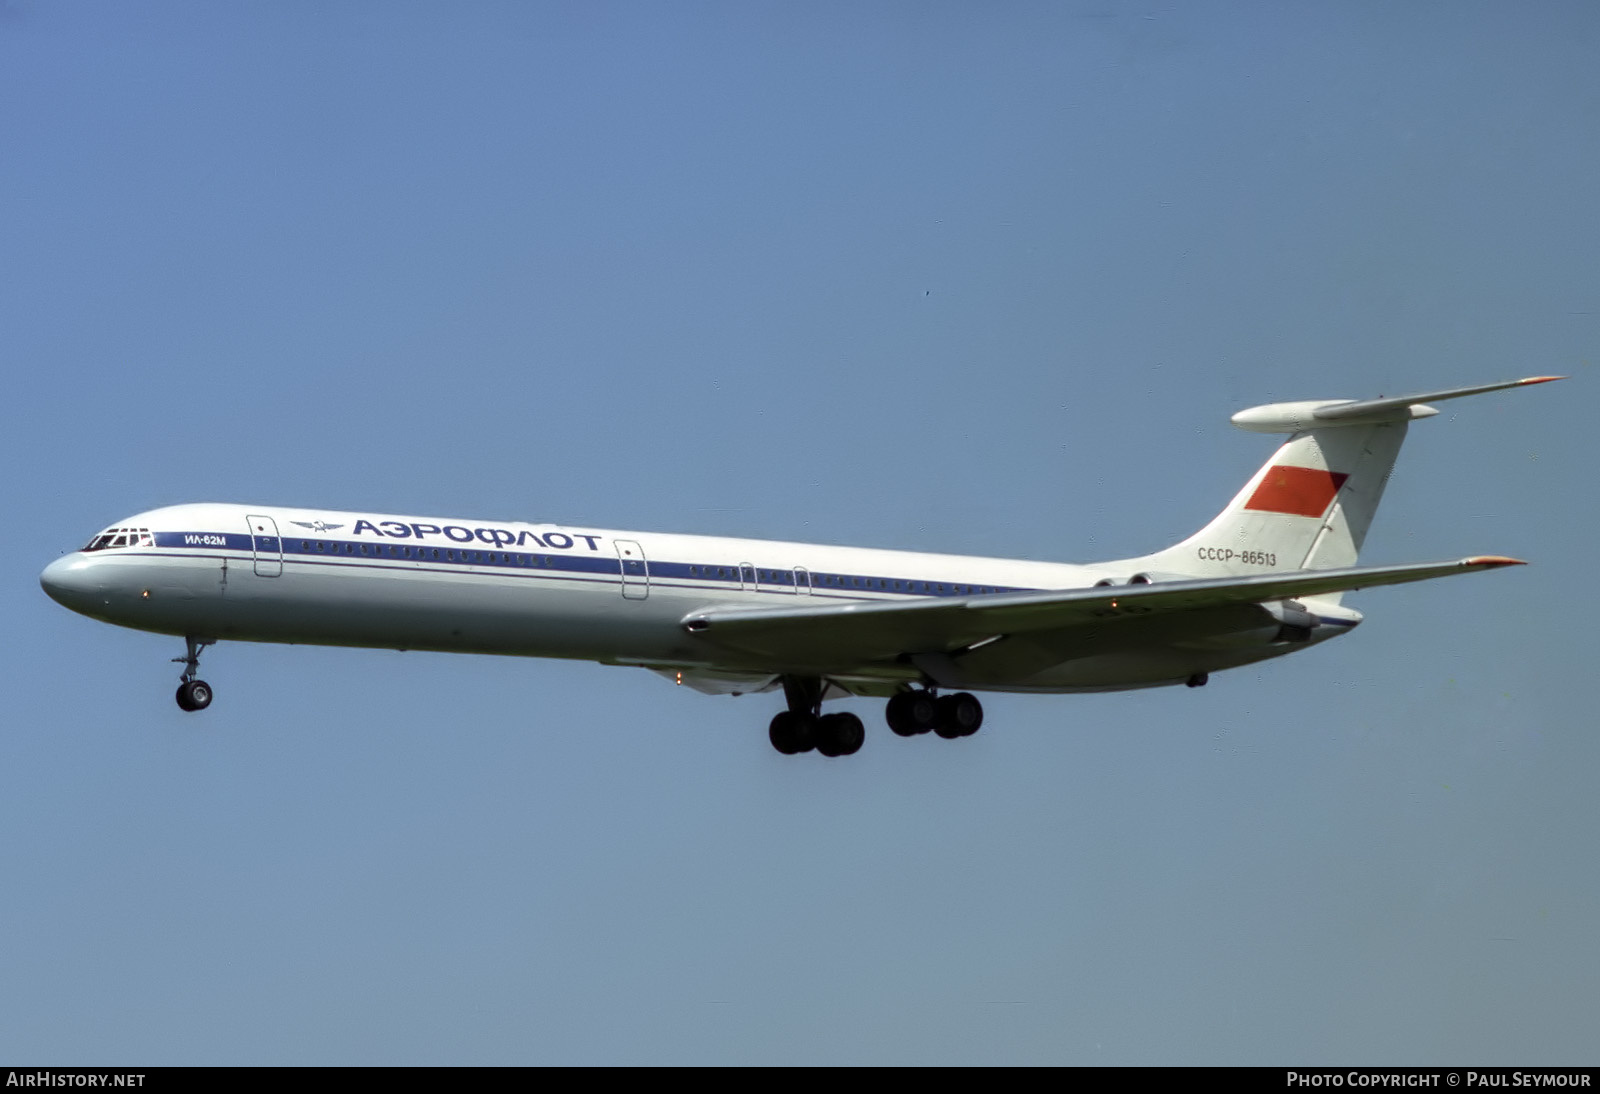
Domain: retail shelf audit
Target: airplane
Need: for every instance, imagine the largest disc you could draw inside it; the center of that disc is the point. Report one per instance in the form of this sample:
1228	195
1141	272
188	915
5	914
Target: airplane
730	616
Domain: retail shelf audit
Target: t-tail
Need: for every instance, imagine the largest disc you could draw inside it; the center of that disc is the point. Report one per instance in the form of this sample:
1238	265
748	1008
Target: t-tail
1310	505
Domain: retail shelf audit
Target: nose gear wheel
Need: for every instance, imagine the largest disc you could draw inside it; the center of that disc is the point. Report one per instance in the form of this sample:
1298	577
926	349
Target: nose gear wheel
194	694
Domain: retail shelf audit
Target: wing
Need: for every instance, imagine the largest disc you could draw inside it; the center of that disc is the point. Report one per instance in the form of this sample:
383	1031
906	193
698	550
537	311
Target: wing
843	636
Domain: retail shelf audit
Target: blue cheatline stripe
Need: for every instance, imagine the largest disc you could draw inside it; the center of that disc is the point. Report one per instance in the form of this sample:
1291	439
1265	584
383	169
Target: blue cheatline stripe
695	573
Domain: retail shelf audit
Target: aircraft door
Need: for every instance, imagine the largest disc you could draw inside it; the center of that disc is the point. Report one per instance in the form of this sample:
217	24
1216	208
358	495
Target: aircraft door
747	577
265	545
802	581
635	570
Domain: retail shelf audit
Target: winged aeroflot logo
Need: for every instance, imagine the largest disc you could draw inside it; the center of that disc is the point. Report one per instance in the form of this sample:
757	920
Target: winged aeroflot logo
317	525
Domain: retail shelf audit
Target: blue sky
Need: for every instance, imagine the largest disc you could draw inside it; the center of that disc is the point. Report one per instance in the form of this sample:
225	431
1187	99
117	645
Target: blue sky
967	278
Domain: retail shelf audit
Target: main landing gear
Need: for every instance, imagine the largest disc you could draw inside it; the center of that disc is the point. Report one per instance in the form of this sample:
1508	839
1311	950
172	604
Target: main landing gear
803	727
950	716
193	694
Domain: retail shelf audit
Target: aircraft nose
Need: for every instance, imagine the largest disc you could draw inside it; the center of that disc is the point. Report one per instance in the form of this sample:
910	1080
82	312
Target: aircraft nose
70	582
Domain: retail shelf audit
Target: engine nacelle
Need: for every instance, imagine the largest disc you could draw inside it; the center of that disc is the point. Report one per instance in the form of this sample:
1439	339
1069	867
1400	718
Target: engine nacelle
1295	623
1143	577
1284	622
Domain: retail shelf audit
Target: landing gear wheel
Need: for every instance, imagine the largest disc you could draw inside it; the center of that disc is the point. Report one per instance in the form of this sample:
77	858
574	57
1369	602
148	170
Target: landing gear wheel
960	715
1198	680
194	695
912	712
840	734
792	733
898	716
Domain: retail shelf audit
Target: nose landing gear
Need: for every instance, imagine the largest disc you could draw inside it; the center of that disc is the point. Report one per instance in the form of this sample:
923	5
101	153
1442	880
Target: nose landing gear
193	694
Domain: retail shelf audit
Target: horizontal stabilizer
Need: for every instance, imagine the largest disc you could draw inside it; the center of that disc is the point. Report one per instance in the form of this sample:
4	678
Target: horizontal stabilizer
1365	408
1321	413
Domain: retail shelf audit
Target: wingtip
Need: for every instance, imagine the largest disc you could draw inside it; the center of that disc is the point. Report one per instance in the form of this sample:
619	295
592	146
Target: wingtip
1492	560
1538	380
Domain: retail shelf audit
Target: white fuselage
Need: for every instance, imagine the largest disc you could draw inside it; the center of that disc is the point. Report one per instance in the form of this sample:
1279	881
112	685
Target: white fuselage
1261	579
268	574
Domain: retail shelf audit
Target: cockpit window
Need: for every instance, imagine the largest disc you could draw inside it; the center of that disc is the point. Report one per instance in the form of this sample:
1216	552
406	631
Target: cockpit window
121	537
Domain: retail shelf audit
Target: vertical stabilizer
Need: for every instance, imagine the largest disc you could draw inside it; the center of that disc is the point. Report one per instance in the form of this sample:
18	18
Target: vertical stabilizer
1307	508
1310	505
